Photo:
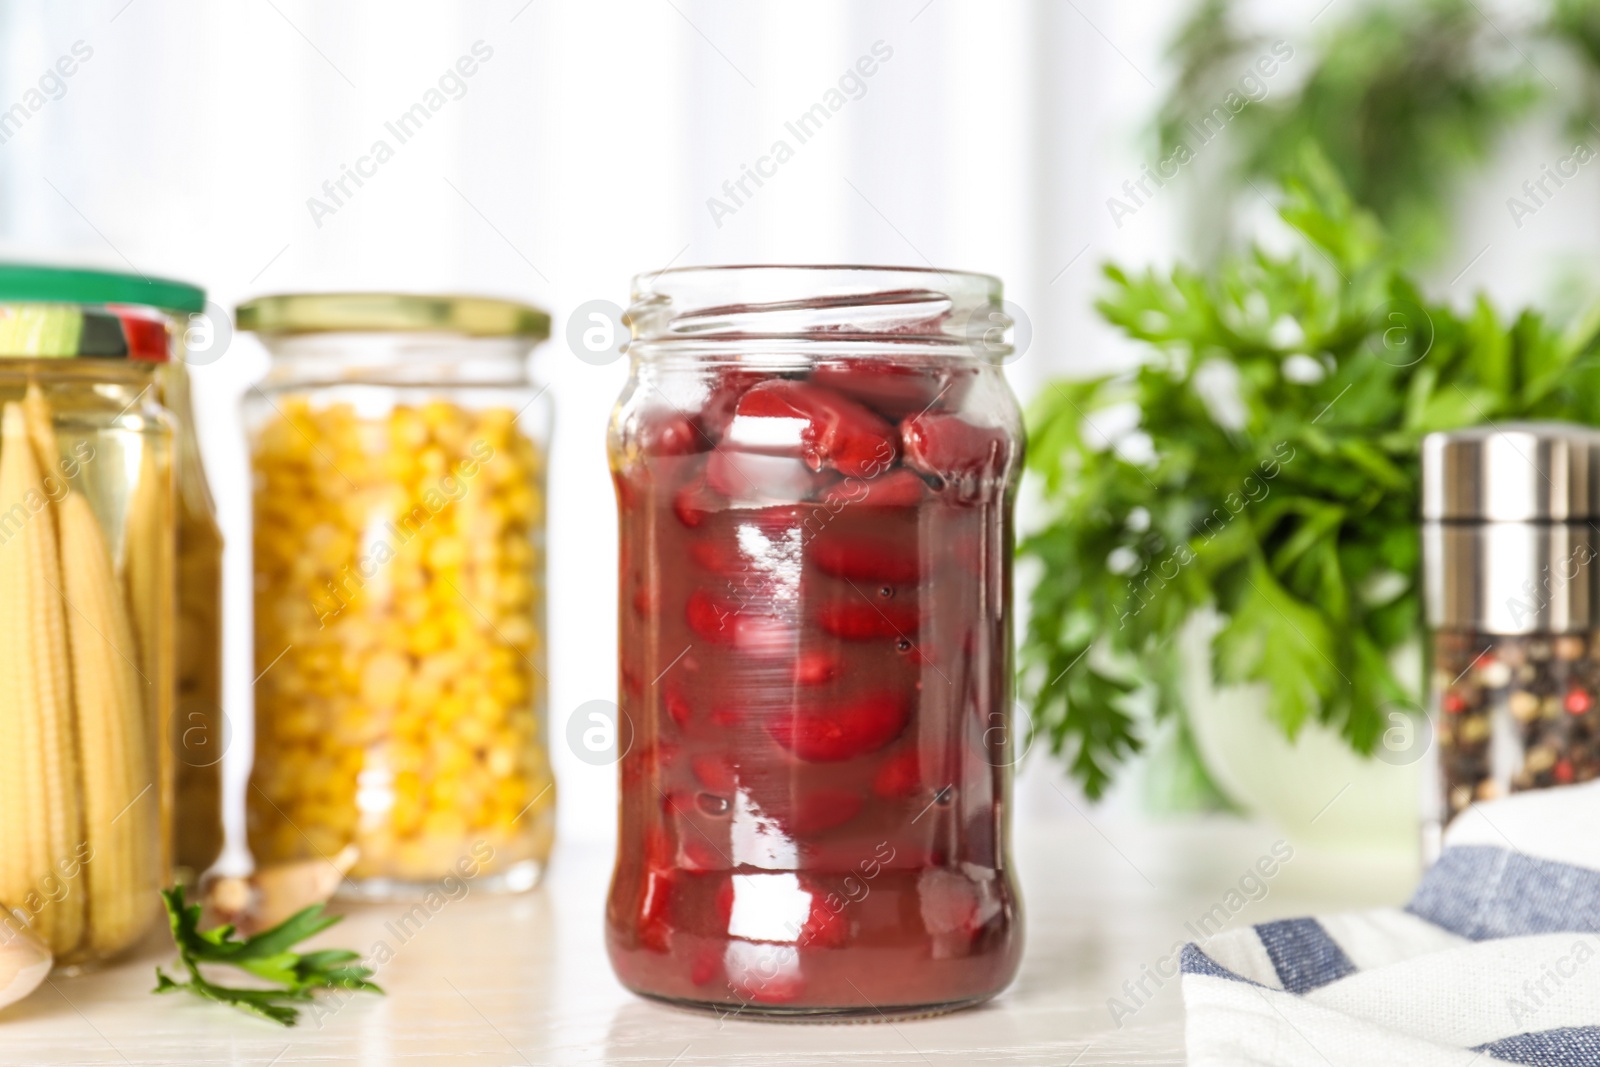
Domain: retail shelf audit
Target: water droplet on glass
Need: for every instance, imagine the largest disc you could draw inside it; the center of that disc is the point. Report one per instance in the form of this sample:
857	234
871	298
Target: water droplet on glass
903	645
886	592
712	804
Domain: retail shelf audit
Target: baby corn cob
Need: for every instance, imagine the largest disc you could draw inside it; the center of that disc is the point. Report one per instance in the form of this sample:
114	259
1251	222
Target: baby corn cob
17	819
148	559
144	524
110	713
121	821
35	693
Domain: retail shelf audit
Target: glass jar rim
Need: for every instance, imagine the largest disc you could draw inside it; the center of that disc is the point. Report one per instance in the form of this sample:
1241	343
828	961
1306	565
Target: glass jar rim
817	278
702	312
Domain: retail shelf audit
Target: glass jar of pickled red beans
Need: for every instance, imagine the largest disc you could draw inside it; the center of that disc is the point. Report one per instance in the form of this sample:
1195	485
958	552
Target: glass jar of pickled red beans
815	470
1509	549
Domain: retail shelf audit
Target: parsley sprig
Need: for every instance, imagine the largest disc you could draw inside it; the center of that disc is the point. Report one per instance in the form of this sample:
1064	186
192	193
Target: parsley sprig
268	956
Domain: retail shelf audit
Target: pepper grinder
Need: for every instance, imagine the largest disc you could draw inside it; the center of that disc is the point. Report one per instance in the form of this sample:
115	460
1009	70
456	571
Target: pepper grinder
1509	539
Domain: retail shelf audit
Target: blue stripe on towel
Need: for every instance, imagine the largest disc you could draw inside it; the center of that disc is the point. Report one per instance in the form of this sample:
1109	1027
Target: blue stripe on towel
1303	954
1194	961
1570	1046
1482	892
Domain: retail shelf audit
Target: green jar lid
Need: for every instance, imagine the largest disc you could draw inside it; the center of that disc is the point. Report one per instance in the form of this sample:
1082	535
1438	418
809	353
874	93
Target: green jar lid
472	316
37	283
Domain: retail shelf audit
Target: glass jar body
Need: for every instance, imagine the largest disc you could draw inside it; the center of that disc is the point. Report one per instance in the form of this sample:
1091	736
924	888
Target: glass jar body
399	612
815	662
86	604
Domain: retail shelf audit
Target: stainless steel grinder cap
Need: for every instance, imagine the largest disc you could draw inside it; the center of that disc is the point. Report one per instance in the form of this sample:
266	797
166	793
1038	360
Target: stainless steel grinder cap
1511	528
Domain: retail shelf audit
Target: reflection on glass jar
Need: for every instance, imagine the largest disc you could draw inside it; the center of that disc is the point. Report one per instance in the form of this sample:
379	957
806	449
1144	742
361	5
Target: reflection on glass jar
815	476
399	471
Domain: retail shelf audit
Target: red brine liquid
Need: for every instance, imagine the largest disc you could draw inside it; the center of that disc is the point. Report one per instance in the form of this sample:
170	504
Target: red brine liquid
815	662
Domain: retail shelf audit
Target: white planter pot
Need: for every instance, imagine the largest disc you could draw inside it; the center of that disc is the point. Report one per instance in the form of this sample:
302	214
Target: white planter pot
1315	788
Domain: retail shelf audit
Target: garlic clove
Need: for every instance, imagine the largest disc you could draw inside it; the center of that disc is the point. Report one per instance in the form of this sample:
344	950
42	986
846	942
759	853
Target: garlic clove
275	892
24	962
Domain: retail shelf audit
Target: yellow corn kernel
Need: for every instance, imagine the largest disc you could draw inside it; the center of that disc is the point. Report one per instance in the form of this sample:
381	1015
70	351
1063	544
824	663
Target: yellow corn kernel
406	756
432	462
427	637
502	761
452	761
425	690
444	823
408	430
408	783
446	553
455	704
384	678
406	814
517	630
412	611
518	552
510	688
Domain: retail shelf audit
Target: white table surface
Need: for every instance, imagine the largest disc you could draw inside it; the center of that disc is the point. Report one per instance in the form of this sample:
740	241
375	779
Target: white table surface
524	980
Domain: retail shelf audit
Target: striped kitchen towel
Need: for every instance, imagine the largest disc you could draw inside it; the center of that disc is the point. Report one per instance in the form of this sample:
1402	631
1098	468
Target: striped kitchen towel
1496	958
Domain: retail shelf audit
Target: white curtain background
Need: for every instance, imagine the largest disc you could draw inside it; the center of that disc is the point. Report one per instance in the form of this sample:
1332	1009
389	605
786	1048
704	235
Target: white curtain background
584	150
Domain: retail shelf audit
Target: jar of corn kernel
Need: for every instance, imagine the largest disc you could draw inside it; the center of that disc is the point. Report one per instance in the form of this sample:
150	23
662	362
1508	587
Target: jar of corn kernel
398	451
1509	543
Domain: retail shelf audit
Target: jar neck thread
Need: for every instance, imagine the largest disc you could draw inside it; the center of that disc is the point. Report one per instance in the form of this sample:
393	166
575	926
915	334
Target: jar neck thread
783	314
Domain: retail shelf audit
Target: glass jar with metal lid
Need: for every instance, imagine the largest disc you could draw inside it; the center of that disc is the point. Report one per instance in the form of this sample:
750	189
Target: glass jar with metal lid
1509	549
87	541
398	448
